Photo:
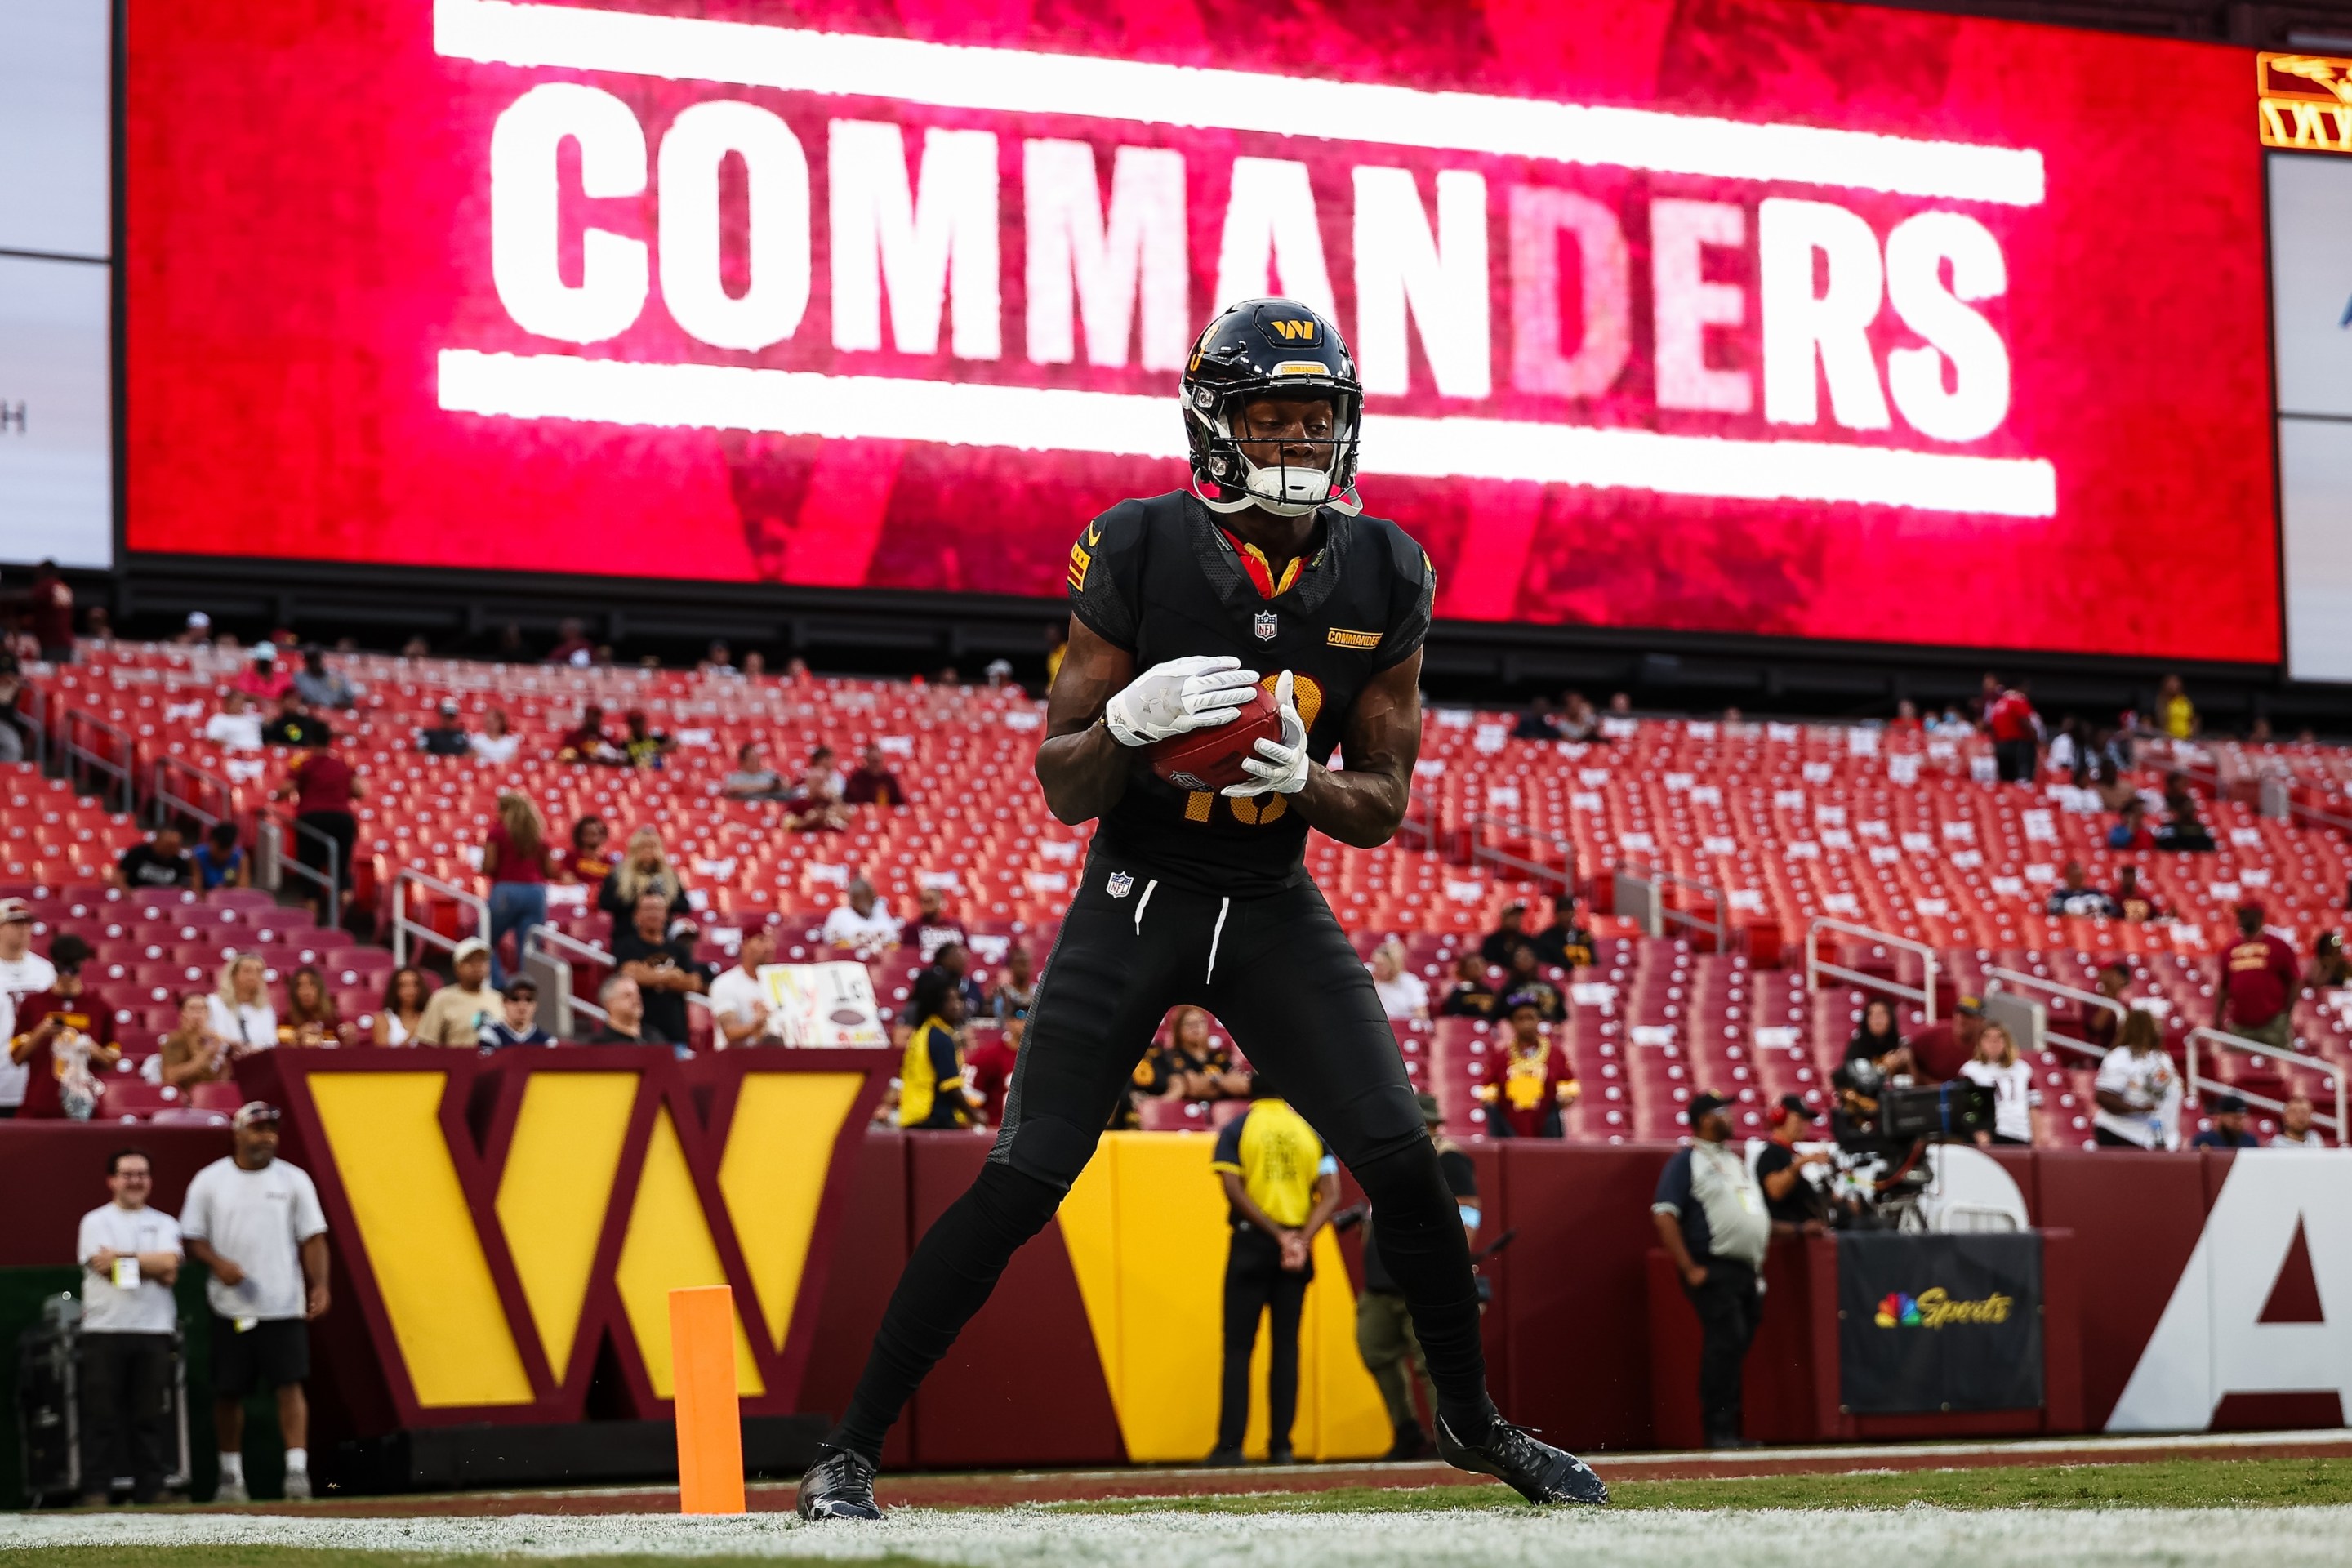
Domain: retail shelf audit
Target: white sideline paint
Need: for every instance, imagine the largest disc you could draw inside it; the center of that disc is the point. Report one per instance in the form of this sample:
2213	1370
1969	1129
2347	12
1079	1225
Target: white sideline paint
1022	81
848	407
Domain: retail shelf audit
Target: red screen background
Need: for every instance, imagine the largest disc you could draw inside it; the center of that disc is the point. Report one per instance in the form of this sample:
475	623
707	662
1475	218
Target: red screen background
308	199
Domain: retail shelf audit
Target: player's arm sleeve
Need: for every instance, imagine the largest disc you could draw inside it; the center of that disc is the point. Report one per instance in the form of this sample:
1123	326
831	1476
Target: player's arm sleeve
1674	1186
1412	595
1228	1154
1105	565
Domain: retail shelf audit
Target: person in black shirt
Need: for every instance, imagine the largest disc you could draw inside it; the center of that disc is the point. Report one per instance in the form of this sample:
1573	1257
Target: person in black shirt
2075	896
448	738
1384	1335
1495	949
1527	979
625	1016
2229	1130
1564	945
658	954
1537	723
1878	1038
1471	997
518	1022
161	862
294	726
1789	1198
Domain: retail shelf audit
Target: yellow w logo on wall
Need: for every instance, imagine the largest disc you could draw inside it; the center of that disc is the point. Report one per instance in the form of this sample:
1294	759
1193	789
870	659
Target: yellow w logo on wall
503	1219
1295	332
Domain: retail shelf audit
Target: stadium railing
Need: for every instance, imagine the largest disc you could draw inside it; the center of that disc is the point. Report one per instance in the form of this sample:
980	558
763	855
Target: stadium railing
2220	1040
2001	979
1816	966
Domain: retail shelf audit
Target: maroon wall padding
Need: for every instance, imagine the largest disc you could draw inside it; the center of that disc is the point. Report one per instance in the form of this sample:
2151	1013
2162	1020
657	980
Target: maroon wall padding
866	1261
55	1171
2136	1219
1575	1302
1023	1384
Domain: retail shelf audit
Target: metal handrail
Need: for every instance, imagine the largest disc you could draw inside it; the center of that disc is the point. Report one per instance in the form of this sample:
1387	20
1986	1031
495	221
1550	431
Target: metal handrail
1565	874
329	882
542	937
33	705
2001	979
71	750
1719	927
2222	1040
403	927
164	802
1922	994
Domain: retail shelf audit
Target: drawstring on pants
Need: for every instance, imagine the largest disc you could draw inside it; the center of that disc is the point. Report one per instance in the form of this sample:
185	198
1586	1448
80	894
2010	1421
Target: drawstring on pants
1143	903
1224	907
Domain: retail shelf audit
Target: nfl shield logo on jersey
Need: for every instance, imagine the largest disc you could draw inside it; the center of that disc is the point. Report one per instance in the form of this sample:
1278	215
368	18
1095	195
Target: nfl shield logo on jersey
1265	625
1120	885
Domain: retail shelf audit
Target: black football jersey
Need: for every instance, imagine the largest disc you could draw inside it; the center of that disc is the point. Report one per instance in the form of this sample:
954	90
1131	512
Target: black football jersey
1160	579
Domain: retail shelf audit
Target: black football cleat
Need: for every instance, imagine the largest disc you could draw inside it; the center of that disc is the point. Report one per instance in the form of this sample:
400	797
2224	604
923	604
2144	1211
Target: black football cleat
1539	1472
840	1485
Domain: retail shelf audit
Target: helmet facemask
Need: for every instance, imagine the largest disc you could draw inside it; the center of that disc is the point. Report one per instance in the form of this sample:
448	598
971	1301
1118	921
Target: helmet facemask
1285	488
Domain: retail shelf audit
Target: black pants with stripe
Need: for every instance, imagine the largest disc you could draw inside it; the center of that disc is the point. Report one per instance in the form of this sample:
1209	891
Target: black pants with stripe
1280	975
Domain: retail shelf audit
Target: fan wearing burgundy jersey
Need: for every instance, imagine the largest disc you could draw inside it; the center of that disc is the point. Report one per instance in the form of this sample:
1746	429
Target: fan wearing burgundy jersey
1263	571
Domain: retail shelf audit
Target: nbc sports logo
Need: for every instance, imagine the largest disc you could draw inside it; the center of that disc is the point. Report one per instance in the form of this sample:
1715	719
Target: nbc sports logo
1898	1311
1935	1309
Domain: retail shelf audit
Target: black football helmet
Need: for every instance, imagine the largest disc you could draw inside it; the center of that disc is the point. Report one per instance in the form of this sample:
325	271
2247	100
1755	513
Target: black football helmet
1270	348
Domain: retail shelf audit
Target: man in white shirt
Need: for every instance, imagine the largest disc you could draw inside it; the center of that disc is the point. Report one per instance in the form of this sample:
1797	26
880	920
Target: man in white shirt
861	927
739	998
1713	1220
236	727
130	1255
2138	1093
256	1223
2296	1131
23	973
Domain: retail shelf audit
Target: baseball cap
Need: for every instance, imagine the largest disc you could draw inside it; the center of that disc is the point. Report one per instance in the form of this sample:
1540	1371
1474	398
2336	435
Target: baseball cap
1971	1005
1430	1112
1794	1105
2250	907
266	653
1703	1103
2228	1105
467	949
520	985
198	621
255	1113
448	705
681	926
15	909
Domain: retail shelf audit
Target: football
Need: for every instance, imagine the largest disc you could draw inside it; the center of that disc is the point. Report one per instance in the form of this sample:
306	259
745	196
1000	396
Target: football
1213	758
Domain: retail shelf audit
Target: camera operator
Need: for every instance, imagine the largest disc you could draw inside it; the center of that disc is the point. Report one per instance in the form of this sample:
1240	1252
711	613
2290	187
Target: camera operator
1797	1206
130	1256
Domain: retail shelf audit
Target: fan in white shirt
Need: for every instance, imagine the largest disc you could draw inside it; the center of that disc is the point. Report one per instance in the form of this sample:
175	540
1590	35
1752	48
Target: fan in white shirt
1404	994
862	925
23	973
739	998
2296	1131
2138	1093
494	742
2014	1098
241	1010
236	727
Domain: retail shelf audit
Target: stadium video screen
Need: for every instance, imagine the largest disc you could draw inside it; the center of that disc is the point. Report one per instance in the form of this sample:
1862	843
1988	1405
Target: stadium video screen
1748	316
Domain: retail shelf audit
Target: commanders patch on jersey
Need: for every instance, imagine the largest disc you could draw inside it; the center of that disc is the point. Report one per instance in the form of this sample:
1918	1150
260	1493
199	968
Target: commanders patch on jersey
1079	562
1340	636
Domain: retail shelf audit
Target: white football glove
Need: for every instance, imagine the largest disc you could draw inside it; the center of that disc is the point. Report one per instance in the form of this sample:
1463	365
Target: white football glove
1178	695
1284	771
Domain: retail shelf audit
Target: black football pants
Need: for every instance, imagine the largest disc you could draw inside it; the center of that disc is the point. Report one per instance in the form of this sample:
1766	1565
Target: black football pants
1280	976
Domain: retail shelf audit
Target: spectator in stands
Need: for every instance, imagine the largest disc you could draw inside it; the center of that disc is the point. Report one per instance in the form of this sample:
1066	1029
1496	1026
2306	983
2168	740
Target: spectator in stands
873	784
194	1052
417	646
1282	1185
295	725
1564	945
752	778
2016	732
2183	828
1876	1039
196	632
1402	994
1538	1083
310	1018
2176	716
65	1040
515	859
1997	1067
2296	1131
1938	1051
2130	831
261	679
642	745
1713	1220
2229	1130
518	1020
242	1013
402	1012
455	1015
161	862
755	664
2330	969
1578	721
1200	1064
497	742
2073	895
323	789
954	959
644	870
2138	1096
12	731
586	741
1016	986
933	926
2100	1024
221	861
2066	752
1537	722
23	973
718	661
2259	982
625	1016
1495	947
860	926
991	1062
320	687
572	645
446	738
931	1090
254	1222
587	864
816	804
1795	1205
236	727
1621	704
1384	1330
739	1014
130	1257
2131	903
657	953
49	605
1523	976
1469	997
